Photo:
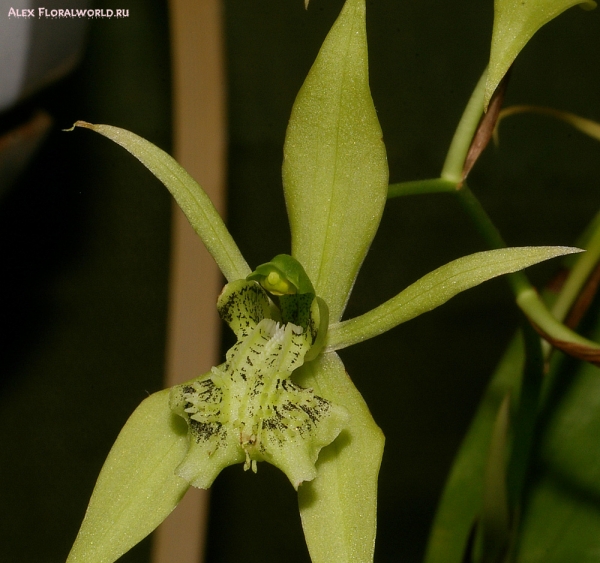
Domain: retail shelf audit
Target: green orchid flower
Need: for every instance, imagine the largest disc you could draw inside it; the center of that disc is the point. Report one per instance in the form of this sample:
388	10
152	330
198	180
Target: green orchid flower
282	395
248	409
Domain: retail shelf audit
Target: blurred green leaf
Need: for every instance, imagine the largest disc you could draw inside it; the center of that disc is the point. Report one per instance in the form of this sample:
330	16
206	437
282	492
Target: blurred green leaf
137	487
338	508
494	521
335	167
560	511
462	497
515	23
561	515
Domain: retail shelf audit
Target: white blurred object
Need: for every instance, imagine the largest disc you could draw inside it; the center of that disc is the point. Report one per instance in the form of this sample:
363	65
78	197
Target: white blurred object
37	51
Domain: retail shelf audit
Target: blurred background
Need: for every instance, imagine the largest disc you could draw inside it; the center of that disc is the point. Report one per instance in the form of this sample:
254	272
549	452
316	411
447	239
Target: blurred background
85	239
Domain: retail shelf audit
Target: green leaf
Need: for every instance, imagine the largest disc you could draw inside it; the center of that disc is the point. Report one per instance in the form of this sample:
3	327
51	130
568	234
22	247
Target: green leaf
560	520
572	444
494	521
335	168
561	516
515	23
137	487
435	288
462	496
561	523
338	508
192	199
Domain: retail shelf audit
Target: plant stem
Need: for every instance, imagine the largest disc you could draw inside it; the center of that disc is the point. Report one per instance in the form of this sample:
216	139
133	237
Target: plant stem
518	281
452	181
526	295
578	276
417	187
459	147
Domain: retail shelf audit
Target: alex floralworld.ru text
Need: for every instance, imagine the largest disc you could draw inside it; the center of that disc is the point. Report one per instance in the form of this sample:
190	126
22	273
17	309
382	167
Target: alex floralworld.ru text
66	13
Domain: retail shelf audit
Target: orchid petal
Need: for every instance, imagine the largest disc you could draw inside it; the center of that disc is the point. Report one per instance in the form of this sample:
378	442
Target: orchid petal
137	487
335	168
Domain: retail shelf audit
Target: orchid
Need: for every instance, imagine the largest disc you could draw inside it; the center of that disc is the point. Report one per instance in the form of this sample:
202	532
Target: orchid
282	395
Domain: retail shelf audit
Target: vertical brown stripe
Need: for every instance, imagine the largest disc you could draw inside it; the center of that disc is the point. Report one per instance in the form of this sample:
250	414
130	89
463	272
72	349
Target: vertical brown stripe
199	145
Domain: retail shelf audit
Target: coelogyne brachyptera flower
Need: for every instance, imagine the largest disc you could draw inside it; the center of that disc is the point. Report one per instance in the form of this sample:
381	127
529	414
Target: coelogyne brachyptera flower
248	409
282	394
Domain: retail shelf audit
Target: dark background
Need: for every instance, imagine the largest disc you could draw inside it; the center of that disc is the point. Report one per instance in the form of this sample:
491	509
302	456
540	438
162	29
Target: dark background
85	238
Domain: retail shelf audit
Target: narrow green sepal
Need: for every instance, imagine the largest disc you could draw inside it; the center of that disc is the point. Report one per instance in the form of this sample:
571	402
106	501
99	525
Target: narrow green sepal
137	487
437	287
190	196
